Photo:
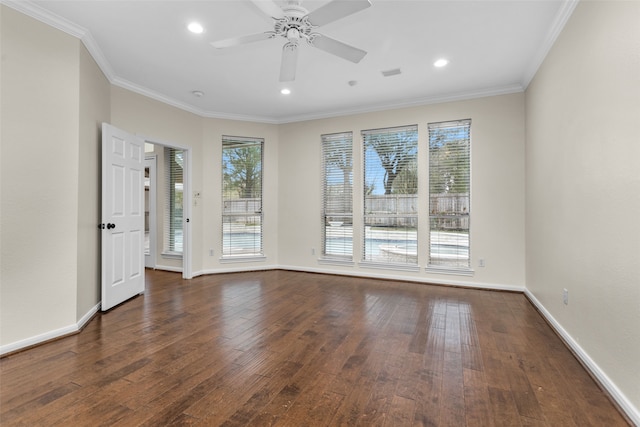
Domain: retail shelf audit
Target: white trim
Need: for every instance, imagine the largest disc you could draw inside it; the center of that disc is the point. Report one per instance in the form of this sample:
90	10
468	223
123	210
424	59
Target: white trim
169	268
567	8
625	405
417	279
187	221
151	161
98	56
50	335
88	316
56	21
449	270
239	258
461	96
236	269
187	249
125	84
358	273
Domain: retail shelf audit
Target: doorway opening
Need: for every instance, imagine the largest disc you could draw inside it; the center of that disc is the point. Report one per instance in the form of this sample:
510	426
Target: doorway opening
169	207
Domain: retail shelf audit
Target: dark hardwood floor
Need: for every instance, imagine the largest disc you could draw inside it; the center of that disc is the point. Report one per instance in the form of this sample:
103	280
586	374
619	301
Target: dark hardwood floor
299	349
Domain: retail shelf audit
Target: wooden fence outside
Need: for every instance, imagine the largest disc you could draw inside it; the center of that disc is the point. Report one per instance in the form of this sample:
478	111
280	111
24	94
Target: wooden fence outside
446	211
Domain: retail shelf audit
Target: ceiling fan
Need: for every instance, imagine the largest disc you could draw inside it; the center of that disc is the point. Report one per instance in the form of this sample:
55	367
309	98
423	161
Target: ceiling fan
294	23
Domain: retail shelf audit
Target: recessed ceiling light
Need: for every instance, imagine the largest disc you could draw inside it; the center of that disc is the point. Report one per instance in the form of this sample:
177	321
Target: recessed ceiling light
195	28
198	93
285	91
441	63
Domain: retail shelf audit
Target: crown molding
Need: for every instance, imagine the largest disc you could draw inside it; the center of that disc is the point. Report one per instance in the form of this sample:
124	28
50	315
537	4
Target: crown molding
141	90
416	102
461	96
563	15
36	12
43	15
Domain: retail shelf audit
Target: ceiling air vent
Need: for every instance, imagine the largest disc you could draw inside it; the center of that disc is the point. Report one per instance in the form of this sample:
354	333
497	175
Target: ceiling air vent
390	73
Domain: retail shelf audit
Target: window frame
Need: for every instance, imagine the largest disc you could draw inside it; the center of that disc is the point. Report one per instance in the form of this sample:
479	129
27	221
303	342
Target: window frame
333	222
457	212
227	251
398	257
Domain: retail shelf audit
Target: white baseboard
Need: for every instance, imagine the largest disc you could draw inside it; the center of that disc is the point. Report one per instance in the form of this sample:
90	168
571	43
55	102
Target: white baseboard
406	278
236	269
168	268
365	274
88	316
50	335
625	405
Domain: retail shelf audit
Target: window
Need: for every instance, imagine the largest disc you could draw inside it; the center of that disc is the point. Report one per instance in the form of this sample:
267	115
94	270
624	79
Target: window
449	193
174	162
337	196
241	196
391	195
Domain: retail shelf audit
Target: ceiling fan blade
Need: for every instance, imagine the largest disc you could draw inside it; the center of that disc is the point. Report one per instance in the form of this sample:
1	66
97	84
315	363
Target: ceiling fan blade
220	44
269	8
335	10
289	60
338	48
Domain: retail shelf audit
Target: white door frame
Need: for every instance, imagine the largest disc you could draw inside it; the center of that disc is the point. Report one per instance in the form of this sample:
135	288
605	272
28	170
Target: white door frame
187	272
151	161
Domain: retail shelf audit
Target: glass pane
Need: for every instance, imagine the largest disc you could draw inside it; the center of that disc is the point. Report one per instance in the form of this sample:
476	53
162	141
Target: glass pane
241	235
176	164
449	193
449	246
391	195
338	234
391	239
337	195
241	196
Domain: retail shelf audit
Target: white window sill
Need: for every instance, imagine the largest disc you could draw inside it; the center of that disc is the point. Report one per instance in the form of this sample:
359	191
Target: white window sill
449	270
171	255
243	258
389	266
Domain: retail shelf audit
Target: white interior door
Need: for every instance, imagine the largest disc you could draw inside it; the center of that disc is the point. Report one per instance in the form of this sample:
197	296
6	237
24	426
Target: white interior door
122	216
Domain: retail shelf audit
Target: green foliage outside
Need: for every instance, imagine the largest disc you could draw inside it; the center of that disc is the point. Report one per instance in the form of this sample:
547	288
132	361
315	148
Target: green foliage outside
398	157
242	171
449	164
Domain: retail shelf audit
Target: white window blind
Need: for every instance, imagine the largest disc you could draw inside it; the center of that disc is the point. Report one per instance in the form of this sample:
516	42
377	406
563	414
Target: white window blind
173	212
391	195
337	196
449	193
242	196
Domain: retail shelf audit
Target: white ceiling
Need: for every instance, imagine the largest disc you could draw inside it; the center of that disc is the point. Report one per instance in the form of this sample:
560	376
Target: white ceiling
494	47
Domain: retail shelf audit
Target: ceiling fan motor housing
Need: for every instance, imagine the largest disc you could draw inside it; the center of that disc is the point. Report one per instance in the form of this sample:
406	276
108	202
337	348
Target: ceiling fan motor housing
293	28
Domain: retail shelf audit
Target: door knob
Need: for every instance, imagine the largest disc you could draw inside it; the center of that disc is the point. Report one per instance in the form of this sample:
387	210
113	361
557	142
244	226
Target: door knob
110	226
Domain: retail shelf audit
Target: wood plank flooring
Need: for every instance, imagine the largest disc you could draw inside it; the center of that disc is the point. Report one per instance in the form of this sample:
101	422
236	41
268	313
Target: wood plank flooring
299	349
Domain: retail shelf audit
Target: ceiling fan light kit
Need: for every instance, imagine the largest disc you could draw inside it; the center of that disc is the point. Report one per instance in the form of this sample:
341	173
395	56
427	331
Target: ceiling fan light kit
294	23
